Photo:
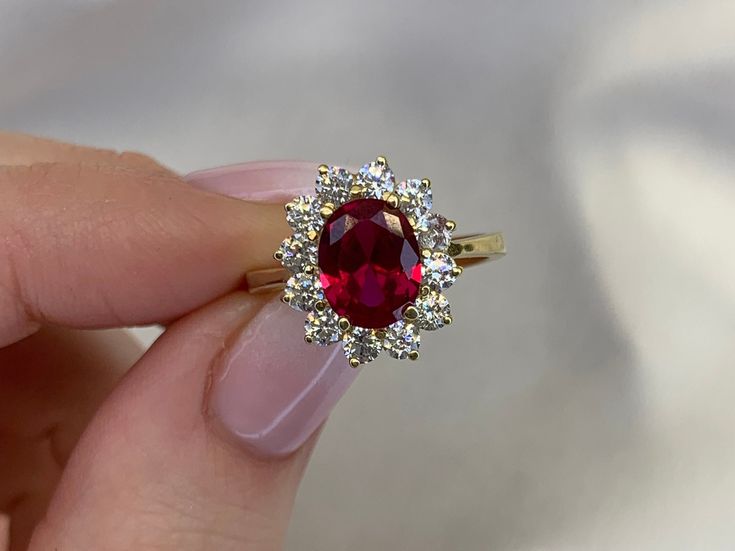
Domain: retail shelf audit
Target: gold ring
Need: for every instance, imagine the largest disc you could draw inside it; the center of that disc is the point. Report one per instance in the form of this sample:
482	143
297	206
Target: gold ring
369	262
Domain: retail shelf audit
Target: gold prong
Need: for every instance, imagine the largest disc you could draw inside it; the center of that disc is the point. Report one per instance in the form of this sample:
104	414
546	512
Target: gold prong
327	210
457	271
286	299
410	313
413	355
413	222
356	191
309	269
308	339
448	320
392	199
426	253
381	334
323	170
320	306
380	160
289	206
425	290
451	225
344	324
354	362
312	235
278	255
426	182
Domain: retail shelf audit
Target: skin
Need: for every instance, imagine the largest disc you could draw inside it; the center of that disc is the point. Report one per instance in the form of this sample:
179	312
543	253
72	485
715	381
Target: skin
101	446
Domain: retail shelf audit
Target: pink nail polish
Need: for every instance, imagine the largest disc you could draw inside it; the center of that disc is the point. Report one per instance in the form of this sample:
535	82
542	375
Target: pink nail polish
260	181
271	390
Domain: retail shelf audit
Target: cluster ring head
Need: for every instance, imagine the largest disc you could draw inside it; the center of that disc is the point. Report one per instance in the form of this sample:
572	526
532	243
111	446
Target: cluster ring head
308	290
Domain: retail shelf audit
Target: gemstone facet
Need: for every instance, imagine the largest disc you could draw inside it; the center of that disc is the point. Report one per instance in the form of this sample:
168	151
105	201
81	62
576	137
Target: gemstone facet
434	311
302	214
303	291
369	261
434	233
401	339
377	178
362	344
439	271
417	197
334	185
322	328
294	254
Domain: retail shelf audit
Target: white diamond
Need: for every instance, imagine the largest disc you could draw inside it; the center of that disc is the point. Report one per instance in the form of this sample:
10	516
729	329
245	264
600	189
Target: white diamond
433	232
322	328
434	311
362	344
438	271
303	215
401	339
377	179
334	186
297	254
303	291
415	196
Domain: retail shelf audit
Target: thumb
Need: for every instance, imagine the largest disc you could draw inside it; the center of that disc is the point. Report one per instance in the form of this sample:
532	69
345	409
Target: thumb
204	443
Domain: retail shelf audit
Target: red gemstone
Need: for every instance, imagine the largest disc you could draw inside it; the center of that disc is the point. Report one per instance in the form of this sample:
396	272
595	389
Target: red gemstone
370	263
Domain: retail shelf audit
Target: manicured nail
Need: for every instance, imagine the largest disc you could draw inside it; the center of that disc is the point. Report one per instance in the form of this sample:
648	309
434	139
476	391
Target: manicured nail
260	181
270	389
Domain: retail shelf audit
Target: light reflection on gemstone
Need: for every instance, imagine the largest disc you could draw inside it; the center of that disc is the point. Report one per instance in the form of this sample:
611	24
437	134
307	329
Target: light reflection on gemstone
370	271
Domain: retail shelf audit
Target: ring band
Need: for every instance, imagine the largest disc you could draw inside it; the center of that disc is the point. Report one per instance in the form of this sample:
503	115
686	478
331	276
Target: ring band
467	250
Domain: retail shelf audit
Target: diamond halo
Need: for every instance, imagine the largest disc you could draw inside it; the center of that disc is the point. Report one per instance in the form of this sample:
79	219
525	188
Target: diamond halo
398	220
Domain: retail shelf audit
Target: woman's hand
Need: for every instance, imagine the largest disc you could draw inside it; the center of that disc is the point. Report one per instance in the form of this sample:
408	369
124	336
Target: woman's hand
203	443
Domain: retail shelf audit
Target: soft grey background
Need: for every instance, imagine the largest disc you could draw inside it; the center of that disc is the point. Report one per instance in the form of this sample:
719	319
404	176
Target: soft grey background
585	398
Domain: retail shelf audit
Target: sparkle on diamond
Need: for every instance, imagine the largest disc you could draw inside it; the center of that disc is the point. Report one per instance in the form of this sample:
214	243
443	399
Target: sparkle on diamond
297	254
362	344
416	197
439	271
302	214
303	291
322	328
334	186
433	232
433	310
402	338
377	179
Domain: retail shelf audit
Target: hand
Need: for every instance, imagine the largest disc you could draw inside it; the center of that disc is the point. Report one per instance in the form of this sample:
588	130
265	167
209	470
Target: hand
202	444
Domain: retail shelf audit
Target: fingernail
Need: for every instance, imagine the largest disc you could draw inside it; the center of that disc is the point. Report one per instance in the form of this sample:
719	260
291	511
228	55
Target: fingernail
270	389
260	181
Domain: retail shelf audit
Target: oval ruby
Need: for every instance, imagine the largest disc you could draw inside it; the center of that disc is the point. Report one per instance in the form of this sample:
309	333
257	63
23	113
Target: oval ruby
370	263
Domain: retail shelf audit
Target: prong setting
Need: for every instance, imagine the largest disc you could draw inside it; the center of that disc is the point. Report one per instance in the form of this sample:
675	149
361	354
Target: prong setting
327	210
410	313
392	199
310	217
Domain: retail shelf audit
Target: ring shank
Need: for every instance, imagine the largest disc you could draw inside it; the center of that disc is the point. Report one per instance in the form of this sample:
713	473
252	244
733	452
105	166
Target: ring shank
466	251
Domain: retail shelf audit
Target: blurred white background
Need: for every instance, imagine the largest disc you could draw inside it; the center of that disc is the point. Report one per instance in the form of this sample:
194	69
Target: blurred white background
585	398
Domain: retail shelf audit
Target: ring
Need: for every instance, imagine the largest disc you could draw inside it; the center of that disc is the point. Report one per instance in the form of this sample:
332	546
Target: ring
369	262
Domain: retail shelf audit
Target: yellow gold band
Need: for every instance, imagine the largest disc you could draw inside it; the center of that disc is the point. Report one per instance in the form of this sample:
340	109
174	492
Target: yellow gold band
467	251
